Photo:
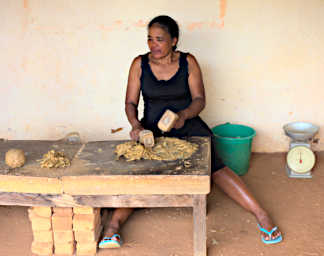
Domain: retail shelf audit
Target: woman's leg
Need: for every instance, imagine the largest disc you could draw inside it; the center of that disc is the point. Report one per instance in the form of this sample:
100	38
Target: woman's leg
119	217
235	188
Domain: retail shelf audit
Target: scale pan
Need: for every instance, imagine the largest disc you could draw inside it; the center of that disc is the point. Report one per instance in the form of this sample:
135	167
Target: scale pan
300	131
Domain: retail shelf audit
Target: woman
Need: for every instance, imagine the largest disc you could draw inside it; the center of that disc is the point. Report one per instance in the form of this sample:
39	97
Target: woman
170	79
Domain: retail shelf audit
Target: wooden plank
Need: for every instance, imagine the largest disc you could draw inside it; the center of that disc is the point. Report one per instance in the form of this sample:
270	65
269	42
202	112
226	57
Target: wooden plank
98	158
199	222
114	201
101	160
116	177
27	184
34	150
131	184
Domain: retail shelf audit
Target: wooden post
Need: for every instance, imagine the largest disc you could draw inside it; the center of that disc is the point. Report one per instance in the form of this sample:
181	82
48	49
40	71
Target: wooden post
199	225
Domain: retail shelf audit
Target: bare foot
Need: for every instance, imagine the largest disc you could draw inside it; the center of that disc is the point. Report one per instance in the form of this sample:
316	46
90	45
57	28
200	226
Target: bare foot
111	238
111	231
266	223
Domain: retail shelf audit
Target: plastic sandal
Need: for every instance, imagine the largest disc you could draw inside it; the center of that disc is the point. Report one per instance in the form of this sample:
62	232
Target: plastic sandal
111	242
269	233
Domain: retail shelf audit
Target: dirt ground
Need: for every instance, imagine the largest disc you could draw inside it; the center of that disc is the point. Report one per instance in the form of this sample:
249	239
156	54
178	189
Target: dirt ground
296	205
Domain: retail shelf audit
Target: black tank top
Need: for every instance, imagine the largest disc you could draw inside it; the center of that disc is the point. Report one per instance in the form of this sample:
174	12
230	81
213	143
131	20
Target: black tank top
173	94
159	95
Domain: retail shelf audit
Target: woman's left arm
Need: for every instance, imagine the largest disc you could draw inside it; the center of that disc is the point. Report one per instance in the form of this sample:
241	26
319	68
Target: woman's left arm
197	91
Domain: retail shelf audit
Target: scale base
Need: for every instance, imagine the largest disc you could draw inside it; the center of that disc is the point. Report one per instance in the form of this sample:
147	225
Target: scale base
292	174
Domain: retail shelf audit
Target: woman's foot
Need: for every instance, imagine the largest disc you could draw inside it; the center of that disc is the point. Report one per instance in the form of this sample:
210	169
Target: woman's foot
111	238
269	232
113	241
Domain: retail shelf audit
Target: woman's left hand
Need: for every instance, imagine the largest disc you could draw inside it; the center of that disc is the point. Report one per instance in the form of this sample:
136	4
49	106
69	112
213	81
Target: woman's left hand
180	121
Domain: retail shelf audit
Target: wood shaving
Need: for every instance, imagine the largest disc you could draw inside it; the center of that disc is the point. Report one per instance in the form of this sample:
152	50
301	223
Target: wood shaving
116	130
166	148
54	159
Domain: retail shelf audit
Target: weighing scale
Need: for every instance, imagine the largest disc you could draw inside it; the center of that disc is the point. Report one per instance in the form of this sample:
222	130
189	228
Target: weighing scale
300	157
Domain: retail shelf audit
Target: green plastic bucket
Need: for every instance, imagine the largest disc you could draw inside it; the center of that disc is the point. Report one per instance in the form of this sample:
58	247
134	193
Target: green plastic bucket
233	145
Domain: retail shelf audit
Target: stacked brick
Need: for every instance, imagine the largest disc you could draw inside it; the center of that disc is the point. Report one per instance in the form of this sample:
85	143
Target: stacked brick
41	221
87	229
64	231
62	219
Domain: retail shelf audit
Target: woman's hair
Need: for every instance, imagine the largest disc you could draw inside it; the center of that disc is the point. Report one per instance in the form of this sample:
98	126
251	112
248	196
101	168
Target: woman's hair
168	24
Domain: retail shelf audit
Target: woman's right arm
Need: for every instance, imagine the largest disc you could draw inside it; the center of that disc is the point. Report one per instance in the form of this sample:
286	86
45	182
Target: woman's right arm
132	97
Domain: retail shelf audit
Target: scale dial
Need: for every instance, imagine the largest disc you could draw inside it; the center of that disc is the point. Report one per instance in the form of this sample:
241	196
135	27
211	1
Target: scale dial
300	159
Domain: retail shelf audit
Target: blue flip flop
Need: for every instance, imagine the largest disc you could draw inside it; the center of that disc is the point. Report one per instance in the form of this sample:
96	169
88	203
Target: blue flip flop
269	233
111	242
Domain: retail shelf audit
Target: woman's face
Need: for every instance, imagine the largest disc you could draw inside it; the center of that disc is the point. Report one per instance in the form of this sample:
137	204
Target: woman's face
160	42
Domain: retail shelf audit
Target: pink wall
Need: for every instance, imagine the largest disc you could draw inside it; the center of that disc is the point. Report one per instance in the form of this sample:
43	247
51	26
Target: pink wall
64	64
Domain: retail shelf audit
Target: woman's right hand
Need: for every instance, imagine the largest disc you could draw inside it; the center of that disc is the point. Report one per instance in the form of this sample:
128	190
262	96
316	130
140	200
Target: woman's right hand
134	133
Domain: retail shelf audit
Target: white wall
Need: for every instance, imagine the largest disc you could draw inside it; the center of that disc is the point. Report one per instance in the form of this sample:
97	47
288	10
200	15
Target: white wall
64	64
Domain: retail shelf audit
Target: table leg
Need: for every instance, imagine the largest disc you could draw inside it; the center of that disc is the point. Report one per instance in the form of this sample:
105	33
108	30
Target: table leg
199	228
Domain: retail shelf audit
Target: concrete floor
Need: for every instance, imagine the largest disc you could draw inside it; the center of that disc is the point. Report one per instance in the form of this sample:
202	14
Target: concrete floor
296	206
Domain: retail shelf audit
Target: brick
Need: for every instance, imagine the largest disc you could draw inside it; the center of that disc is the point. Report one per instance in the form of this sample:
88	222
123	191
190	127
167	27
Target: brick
88	236
43	236
167	120
64	248
63	211
63	236
42	211
42	248
146	137
87	248
61	223
87	217
86	221
39	223
28	184
85	210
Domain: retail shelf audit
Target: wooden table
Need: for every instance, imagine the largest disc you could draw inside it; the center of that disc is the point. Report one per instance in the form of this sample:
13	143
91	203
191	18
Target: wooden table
97	179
